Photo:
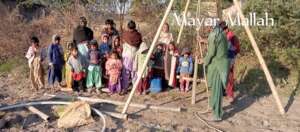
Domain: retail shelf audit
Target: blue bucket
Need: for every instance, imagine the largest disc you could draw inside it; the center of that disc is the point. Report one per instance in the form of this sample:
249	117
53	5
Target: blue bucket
156	85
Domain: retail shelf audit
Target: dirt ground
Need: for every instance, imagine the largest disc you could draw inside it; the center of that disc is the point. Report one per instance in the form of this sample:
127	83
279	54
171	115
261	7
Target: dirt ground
248	114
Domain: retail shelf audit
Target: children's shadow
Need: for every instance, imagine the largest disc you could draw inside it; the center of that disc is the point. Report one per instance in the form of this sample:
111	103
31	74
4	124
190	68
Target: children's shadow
252	87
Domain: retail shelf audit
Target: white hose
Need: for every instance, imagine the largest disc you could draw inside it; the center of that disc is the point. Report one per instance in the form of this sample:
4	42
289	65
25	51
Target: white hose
99	113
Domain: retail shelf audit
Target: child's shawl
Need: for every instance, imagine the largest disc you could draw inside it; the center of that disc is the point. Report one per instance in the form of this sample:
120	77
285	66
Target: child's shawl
113	66
104	48
30	55
140	59
55	54
75	64
185	65
165	38
133	38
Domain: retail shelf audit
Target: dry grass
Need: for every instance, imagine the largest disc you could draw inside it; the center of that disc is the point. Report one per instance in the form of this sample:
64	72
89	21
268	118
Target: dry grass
15	32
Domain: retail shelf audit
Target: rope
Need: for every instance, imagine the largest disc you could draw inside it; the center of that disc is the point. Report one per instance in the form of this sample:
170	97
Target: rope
99	113
206	124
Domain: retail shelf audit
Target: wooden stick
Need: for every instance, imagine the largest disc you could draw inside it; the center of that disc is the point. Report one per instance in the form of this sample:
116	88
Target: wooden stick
195	76
38	112
182	22
261	60
98	100
190	79
148	56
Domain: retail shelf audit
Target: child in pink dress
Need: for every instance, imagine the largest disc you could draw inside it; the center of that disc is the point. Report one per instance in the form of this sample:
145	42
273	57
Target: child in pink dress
113	68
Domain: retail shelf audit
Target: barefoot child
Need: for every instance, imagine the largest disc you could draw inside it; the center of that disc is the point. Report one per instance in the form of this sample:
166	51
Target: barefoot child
137	67
78	73
34	61
185	69
56	62
113	69
94	70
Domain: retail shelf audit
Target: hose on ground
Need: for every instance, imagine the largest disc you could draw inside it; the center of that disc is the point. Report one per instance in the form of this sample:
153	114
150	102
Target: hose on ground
99	113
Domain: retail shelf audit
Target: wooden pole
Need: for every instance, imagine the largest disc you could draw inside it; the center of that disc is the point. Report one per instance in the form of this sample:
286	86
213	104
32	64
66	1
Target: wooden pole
147	57
182	22
195	80
38	112
98	100
261	60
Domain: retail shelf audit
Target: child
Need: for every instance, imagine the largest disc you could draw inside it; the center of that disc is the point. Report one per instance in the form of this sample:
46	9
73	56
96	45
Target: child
104	47
104	53
185	68
56	61
34	61
78	73
158	61
137	67
165	36
94	70
68	72
157	81
113	69
170	59
116	45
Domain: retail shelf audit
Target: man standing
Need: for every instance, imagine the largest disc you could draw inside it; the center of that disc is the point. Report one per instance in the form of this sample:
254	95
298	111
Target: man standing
82	35
234	49
217	64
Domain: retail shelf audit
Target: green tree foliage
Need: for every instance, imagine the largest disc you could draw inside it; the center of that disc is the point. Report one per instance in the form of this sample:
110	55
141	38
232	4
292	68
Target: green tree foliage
286	31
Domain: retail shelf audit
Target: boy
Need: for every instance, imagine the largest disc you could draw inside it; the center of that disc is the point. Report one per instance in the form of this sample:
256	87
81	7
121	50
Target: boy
78	73
34	61
94	70
56	61
185	69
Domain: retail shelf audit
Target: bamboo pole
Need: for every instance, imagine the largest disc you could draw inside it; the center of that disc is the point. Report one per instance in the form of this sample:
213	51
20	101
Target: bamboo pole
98	100
261	60
182	22
38	112
147	57
195	80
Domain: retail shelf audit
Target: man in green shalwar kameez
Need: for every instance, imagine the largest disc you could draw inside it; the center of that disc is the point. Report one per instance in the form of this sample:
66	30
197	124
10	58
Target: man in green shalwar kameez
217	63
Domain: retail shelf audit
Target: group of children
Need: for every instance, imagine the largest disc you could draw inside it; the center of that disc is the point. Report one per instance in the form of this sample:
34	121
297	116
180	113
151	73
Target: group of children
104	65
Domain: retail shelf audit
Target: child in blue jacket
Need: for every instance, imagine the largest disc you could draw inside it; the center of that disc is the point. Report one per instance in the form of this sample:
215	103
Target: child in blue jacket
185	69
56	61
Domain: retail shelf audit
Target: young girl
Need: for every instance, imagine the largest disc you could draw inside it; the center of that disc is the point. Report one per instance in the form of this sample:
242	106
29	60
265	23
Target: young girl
137	67
116	45
113	69
78	73
34	61
165	36
94	70
170	59
185	69
68	72
56	61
